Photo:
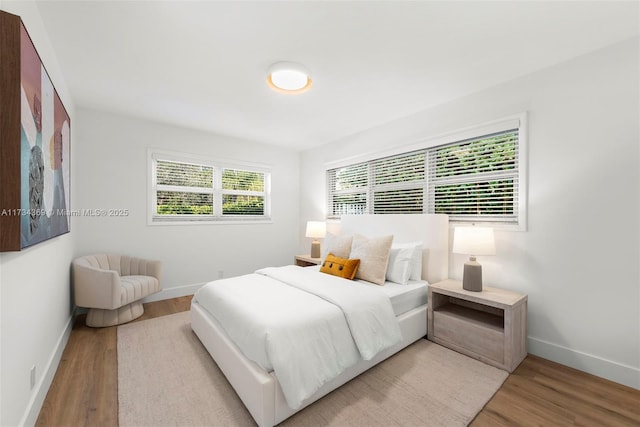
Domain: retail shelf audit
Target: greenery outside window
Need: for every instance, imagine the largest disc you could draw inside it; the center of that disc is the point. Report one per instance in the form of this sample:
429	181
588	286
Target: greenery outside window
196	189
477	179
473	176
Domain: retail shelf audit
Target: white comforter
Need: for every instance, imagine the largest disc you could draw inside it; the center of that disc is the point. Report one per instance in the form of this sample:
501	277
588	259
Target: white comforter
304	325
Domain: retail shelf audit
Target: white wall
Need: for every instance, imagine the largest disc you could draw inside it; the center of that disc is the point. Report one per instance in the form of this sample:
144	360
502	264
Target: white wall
35	301
112	163
109	169
578	261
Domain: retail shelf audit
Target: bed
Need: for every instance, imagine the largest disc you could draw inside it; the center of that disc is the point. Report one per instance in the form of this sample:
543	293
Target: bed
256	383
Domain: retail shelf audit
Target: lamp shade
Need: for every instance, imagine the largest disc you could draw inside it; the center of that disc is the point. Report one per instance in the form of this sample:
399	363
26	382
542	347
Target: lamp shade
474	241
316	229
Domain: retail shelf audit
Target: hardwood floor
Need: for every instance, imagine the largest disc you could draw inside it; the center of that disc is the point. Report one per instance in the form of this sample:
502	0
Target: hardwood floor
543	393
539	392
84	391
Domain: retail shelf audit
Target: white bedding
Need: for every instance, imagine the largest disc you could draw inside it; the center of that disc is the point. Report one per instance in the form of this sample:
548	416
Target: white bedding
403	297
306	326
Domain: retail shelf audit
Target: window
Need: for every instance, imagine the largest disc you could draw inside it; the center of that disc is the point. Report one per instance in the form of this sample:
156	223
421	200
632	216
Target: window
196	189
472	176
475	180
390	185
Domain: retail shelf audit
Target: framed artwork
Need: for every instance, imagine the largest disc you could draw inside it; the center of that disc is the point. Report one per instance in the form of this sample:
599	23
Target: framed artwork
35	143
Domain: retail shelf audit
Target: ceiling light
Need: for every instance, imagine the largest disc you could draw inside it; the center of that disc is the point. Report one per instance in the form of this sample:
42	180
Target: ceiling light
288	77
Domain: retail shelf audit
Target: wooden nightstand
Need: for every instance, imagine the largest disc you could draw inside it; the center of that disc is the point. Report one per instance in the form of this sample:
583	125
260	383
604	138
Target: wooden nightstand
490	326
307	261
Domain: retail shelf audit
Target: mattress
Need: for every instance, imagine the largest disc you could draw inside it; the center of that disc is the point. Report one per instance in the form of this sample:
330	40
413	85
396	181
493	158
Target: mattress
403	297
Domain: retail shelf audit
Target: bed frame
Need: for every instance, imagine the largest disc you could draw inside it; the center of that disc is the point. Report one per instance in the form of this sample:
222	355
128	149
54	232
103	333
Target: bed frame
259	390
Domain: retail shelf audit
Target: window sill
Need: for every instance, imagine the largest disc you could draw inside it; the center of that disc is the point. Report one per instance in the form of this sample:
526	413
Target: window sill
155	221
509	226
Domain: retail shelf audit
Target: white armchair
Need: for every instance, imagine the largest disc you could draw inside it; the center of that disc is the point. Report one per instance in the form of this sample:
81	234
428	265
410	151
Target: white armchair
111	286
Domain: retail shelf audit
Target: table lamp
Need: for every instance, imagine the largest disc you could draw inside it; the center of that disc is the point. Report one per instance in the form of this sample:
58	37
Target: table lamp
316	230
473	241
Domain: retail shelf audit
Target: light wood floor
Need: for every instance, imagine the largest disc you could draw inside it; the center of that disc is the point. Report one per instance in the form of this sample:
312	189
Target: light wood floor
541	393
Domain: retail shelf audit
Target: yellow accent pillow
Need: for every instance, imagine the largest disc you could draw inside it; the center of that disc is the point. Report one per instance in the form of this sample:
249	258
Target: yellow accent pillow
345	268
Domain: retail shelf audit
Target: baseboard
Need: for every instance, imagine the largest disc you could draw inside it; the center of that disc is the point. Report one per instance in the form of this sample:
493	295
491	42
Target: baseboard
178	291
594	365
42	387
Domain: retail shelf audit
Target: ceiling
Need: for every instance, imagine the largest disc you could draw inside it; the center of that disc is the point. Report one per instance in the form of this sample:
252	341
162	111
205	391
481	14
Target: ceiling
203	64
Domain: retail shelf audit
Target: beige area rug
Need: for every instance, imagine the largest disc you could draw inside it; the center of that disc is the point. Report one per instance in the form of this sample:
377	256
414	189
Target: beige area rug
167	378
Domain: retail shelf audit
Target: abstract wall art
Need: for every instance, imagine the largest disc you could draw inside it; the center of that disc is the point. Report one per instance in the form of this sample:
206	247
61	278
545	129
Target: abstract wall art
35	142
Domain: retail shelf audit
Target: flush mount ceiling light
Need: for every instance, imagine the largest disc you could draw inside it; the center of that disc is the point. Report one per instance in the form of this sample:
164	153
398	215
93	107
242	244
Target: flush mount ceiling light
289	78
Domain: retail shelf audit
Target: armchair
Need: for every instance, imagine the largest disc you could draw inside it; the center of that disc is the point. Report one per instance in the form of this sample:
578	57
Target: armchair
111	286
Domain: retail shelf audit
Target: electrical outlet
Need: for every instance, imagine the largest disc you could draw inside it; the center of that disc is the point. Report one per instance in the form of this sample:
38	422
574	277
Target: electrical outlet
33	376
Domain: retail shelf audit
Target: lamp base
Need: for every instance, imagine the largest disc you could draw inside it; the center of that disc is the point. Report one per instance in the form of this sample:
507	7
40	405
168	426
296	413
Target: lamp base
472	276
315	249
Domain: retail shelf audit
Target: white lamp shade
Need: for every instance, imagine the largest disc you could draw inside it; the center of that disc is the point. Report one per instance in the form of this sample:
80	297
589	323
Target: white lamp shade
474	241
316	229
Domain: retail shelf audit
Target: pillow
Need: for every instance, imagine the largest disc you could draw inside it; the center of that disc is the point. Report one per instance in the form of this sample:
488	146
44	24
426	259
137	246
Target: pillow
339	246
416	258
345	268
399	268
405	263
416	261
374	257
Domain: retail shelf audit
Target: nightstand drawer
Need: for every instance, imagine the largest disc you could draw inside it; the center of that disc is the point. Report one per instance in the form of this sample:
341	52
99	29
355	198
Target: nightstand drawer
479	332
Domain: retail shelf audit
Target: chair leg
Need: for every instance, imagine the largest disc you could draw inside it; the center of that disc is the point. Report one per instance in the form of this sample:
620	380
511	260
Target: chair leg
100	318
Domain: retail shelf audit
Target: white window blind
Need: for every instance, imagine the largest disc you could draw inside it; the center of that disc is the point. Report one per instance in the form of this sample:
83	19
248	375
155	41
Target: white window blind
243	192
197	190
398	183
348	190
183	188
475	179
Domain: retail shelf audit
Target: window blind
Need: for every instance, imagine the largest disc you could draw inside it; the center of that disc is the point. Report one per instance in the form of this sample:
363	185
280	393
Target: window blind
398	183
348	188
242	192
183	188
188	190
475	179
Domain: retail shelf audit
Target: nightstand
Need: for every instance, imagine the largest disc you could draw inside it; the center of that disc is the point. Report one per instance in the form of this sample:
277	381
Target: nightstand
490	325
307	261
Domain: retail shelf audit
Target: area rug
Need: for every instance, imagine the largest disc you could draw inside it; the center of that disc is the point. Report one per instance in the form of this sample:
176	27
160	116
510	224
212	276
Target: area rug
166	377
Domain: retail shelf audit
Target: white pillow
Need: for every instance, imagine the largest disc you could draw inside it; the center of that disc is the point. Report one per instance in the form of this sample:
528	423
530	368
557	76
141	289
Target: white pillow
416	259
374	257
399	269
339	246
